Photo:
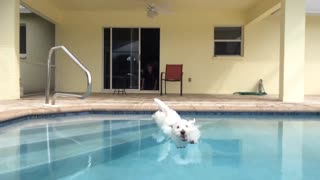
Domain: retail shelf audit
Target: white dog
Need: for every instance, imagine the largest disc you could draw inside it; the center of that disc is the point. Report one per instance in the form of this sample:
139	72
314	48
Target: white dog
179	130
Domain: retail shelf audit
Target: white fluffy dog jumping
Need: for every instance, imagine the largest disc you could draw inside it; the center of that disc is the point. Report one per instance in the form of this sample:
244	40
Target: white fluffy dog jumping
181	131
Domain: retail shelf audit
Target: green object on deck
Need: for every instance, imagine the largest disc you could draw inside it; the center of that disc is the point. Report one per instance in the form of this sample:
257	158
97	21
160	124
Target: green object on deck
261	91
251	93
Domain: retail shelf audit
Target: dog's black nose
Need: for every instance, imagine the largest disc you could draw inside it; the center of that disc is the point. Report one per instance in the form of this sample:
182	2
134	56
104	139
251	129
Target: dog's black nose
183	132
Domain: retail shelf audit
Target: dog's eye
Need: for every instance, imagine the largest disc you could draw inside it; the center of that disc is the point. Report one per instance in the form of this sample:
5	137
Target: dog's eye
186	125
177	127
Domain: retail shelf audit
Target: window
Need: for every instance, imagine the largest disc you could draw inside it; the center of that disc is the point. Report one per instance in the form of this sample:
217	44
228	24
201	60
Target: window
23	41
228	41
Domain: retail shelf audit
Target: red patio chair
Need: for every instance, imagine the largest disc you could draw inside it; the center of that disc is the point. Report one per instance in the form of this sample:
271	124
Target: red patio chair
174	74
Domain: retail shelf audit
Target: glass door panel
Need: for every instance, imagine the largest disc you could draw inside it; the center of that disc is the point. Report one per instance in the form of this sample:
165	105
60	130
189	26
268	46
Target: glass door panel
125	58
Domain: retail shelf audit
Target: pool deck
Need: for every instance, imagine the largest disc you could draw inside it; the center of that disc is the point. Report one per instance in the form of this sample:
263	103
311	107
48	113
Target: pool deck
33	105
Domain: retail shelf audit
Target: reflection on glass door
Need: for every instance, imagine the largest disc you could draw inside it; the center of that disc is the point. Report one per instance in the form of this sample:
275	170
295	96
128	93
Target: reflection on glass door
125	58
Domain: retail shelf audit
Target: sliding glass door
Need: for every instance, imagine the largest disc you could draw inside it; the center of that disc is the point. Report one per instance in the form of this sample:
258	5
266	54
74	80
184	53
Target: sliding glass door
123	68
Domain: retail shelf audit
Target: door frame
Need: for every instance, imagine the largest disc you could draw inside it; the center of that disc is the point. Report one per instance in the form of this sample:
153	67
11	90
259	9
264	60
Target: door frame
110	57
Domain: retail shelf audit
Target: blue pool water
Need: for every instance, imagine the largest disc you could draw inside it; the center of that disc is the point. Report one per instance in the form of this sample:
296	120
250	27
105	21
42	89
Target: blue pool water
122	147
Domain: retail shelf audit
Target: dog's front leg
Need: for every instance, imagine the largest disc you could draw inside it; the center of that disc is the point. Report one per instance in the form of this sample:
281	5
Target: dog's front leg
164	151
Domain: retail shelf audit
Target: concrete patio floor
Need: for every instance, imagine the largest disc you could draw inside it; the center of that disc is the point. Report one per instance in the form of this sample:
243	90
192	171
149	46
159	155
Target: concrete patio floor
33	105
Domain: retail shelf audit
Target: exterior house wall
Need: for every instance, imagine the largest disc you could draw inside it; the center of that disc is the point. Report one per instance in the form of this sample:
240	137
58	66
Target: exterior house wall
9	49
40	38
45	9
186	38
312	66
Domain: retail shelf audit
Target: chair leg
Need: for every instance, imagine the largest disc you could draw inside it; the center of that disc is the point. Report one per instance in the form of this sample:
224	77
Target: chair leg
181	87
165	87
161	87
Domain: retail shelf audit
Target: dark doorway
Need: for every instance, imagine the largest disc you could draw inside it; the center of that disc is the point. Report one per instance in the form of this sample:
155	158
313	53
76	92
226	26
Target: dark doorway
150	58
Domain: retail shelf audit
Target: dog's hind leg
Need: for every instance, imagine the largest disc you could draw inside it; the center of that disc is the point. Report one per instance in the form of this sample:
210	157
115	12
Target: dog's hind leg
162	106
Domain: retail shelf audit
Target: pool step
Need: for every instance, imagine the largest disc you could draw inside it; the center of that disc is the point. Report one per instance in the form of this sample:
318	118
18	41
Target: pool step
80	125
59	138
74	139
64	148
74	164
27	136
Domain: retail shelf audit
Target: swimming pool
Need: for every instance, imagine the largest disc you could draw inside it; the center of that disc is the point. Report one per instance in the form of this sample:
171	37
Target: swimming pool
121	146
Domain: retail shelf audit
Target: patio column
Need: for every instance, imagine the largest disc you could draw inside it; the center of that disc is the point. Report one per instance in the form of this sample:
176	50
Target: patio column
292	51
9	49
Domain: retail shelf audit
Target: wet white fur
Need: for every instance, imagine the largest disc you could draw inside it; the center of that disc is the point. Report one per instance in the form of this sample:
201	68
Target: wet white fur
171	124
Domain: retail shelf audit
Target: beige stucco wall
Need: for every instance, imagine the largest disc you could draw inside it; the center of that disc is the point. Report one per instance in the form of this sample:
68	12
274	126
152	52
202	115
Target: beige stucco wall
312	66
40	38
187	39
9	49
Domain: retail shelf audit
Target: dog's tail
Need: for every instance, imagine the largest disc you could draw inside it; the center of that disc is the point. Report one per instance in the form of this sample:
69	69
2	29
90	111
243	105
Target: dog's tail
163	107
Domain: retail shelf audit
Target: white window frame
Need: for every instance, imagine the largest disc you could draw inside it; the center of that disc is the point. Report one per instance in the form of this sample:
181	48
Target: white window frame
229	40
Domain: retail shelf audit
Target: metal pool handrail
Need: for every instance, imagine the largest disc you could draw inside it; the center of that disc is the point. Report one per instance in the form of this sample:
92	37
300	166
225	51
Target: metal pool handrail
55	95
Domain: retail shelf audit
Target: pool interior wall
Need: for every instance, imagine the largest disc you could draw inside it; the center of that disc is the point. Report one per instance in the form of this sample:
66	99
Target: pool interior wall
268	114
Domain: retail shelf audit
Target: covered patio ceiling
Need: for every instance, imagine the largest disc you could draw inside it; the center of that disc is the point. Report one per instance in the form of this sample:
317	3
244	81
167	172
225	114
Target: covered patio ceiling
140	5
253	10
313	6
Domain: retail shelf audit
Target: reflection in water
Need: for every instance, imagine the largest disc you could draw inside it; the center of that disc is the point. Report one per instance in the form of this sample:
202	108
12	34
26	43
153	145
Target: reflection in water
279	150
189	155
217	152
292	150
72	141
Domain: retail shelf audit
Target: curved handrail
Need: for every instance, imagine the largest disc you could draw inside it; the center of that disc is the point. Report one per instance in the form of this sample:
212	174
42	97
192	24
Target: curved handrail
55	95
